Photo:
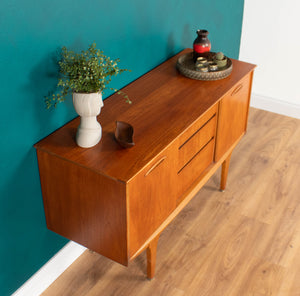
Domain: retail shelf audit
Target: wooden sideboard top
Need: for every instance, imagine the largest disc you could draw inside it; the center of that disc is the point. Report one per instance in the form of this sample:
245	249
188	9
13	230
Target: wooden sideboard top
163	108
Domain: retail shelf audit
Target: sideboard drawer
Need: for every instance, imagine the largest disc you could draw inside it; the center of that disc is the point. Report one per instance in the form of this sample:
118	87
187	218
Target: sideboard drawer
197	125
196	141
193	169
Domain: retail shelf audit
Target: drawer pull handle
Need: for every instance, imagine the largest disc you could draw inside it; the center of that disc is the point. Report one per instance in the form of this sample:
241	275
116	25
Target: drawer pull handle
196	132
195	155
237	89
155	165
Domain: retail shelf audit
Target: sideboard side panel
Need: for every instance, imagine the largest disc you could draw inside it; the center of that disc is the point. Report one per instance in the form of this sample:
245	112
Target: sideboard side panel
84	206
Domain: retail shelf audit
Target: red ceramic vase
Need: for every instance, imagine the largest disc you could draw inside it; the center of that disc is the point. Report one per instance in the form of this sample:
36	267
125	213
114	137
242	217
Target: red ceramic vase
201	44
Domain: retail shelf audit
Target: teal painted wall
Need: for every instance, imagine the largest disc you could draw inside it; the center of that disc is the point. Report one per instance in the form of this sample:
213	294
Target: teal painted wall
141	33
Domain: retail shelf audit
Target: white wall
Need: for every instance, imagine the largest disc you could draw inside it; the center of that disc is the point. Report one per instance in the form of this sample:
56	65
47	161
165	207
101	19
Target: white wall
271	40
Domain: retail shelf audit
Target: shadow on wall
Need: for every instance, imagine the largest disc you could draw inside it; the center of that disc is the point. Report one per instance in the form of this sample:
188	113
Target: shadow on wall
18	220
187	37
43	79
22	222
186	41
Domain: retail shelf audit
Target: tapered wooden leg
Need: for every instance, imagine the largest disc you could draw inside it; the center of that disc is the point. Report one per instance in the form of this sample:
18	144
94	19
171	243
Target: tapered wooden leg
151	258
225	168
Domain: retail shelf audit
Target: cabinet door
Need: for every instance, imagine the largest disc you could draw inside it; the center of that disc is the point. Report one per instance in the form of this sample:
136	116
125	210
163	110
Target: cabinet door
151	199
233	115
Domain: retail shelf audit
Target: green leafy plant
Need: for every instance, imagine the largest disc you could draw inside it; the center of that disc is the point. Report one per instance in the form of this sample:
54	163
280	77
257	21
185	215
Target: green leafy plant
86	72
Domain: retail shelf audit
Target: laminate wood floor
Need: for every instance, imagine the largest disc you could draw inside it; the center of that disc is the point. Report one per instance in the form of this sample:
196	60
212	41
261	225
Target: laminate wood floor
244	241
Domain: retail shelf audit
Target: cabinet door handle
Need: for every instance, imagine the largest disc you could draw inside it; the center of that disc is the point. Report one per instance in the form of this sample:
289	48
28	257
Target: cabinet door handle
155	165
237	89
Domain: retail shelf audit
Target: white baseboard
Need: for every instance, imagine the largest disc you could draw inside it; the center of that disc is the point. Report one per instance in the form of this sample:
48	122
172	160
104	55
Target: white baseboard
275	105
48	273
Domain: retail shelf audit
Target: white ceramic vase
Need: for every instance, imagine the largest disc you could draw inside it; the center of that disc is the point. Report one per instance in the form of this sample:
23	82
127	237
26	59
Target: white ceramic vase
88	106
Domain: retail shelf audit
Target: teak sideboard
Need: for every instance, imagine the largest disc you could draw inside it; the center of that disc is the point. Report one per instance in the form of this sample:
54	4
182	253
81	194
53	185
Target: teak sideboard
117	201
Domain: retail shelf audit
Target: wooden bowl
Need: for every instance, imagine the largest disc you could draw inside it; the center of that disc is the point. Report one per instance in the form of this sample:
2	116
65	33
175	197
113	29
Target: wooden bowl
123	134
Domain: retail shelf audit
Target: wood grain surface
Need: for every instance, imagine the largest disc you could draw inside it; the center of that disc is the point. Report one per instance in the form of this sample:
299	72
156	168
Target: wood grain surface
244	241
162	90
85	207
233	115
115	201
